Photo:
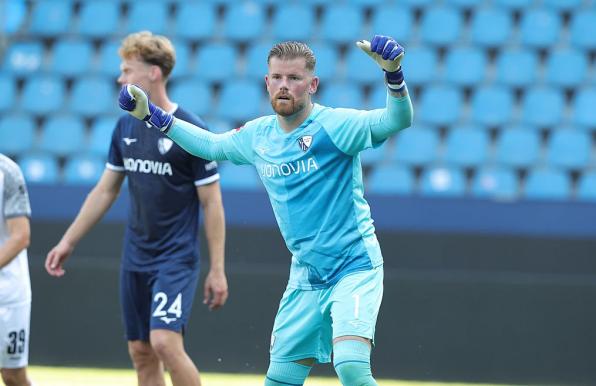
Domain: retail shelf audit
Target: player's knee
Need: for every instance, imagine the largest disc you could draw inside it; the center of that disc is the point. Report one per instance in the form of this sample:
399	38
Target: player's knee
351	360
166	344
15	377
141	353
284	373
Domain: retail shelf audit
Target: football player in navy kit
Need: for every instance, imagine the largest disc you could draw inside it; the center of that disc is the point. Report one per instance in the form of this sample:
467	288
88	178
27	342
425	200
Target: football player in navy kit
160	262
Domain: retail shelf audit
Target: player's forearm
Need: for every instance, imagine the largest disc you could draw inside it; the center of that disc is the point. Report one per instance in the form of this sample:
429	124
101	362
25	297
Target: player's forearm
12	247
397	116
196	141
97	203
215	233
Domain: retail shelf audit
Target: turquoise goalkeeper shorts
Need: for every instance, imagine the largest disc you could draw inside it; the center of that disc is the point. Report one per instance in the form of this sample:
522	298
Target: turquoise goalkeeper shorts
308	320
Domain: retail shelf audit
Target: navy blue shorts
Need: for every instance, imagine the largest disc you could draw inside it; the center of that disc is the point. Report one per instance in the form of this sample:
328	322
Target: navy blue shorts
160	299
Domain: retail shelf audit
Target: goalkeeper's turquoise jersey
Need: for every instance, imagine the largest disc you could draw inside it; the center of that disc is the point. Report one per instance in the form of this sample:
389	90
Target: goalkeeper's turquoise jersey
314	180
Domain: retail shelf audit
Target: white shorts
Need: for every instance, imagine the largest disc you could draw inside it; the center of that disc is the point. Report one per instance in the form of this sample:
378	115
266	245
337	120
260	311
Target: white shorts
14	335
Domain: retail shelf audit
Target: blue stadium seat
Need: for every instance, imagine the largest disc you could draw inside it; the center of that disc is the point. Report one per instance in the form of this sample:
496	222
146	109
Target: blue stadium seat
327	60
342	23
17	133
490	27
256	60
540	28
517	147
391	179
373	156
216	70
182	67
244	21
62	135
440	105
543	107
71	57
234	177
149	15
92	11
569	149
83	170
360	68
16	11
415	146
192	94
465	66
517	67
42	95
240	100
441	181
562	5
293	22
495	182
100	136
393	21
50	18
377	99
566	68
583	29
186	26
466	146
584	113
440	26
547	184
420	65
340	94
104	96
39	168
368	3
514	4
23	58
492	105
464	4
219	125
109	60
9	92
416	3
586	187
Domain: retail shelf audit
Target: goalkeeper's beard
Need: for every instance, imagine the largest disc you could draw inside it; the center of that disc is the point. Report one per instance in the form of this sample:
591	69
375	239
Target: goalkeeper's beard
286	107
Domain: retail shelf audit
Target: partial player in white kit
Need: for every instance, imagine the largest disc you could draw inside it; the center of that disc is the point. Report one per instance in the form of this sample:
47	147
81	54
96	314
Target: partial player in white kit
15	285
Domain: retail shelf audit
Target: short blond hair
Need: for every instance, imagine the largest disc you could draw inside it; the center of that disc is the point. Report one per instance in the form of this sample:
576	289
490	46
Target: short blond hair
151	49
293	50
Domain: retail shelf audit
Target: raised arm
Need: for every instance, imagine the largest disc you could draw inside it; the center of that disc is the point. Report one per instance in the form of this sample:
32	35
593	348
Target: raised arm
193	139
399	112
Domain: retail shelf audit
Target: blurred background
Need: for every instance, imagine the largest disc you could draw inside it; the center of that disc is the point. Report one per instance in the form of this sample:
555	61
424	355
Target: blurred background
485	207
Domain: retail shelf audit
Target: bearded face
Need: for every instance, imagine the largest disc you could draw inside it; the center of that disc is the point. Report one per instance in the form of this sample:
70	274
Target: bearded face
290	85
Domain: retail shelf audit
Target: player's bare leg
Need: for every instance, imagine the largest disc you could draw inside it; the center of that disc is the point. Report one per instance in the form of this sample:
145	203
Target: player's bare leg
15	377
147	364
169	347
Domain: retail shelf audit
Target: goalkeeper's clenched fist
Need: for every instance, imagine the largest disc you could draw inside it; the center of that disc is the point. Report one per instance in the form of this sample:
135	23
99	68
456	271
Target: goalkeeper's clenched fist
388	54
134	100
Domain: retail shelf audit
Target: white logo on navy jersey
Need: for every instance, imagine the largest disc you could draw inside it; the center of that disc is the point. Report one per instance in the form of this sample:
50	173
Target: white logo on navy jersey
128	141
164	145
167	320
211	165
286	169
147	166
304	142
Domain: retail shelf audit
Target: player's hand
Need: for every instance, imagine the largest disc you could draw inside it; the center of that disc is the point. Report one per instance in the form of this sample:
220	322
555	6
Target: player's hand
134	100
384	50
215	290
56	258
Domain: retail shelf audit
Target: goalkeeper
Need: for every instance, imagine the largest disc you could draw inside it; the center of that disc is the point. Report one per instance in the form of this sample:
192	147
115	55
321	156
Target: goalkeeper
307	156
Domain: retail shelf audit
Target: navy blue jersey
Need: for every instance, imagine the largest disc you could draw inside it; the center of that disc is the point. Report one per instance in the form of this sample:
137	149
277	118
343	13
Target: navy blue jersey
162	181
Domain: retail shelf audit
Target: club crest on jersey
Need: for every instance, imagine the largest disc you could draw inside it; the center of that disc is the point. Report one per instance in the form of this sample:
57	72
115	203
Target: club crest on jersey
304	142
164	145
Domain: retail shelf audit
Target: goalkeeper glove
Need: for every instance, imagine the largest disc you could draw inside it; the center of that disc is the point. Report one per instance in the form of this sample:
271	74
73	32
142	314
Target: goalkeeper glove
388	54
134	100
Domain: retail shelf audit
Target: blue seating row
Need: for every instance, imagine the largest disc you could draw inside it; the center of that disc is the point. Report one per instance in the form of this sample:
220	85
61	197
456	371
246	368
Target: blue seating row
341	22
